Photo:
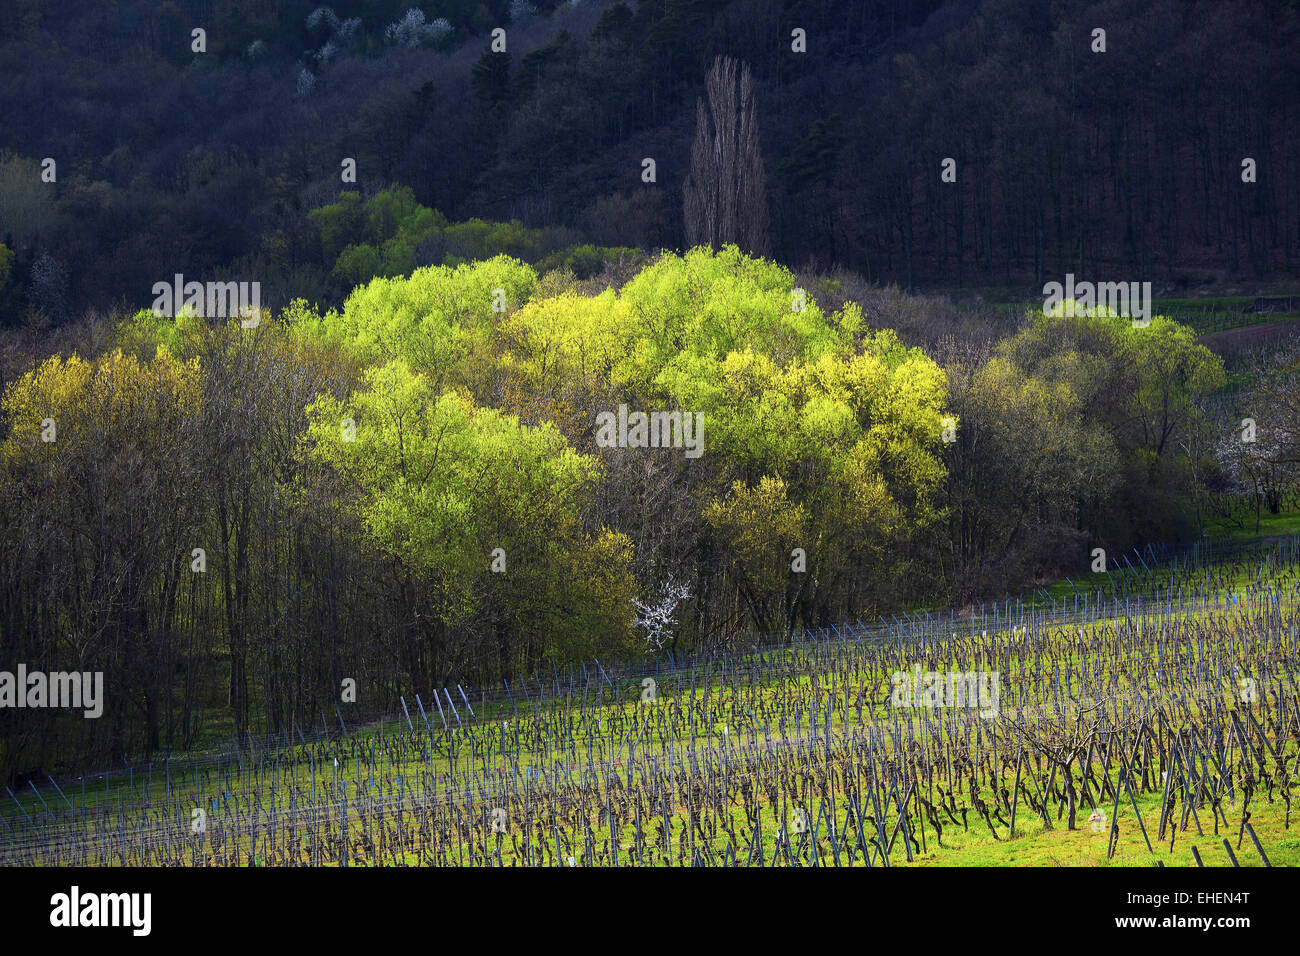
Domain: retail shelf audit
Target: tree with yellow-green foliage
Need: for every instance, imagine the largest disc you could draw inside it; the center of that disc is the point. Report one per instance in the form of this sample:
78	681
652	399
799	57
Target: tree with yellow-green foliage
803	411
408	491
440	319
1138	382
99	498
486	514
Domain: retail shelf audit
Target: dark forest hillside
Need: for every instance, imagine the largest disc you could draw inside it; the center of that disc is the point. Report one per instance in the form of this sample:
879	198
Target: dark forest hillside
1128	162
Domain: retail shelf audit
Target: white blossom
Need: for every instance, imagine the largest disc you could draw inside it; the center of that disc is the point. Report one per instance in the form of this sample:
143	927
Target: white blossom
657	619
412	31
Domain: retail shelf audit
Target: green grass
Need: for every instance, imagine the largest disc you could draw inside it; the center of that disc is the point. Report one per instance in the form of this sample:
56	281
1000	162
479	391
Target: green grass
1240	525
1038	845
1035	844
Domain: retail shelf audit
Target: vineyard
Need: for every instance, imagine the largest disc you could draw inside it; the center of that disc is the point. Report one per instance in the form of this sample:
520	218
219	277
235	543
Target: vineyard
1157	728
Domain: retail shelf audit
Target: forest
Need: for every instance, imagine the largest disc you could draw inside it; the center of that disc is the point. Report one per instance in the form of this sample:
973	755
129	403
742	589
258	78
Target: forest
393	472
1127	162
408	490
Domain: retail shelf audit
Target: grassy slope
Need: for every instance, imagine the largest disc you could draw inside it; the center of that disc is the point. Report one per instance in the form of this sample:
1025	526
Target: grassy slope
1035	845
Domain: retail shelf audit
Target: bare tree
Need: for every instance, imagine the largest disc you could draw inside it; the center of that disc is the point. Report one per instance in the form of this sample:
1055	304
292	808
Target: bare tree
725	195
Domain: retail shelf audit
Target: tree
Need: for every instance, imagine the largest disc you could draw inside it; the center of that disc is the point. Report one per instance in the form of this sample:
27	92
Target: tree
490	79
1277	400
725	195
411	31
656	618
439	319
48	290
486	516
1139	384
1263	459
1024	456
99	499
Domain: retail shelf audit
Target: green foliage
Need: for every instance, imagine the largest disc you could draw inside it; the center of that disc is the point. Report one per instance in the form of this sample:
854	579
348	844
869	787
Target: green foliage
364	465
615	23
696	309
477	239
439	319
394	211
357	264
440	484
587	260
439	477
391	234
1144	374
136	404
490	80
813	157
377	237
1137	384
145	334
800	409
340	223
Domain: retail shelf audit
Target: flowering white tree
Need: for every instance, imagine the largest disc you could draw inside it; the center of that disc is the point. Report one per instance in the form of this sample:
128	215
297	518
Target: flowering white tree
338	35
412	31
1277	395
657	618
1258	463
